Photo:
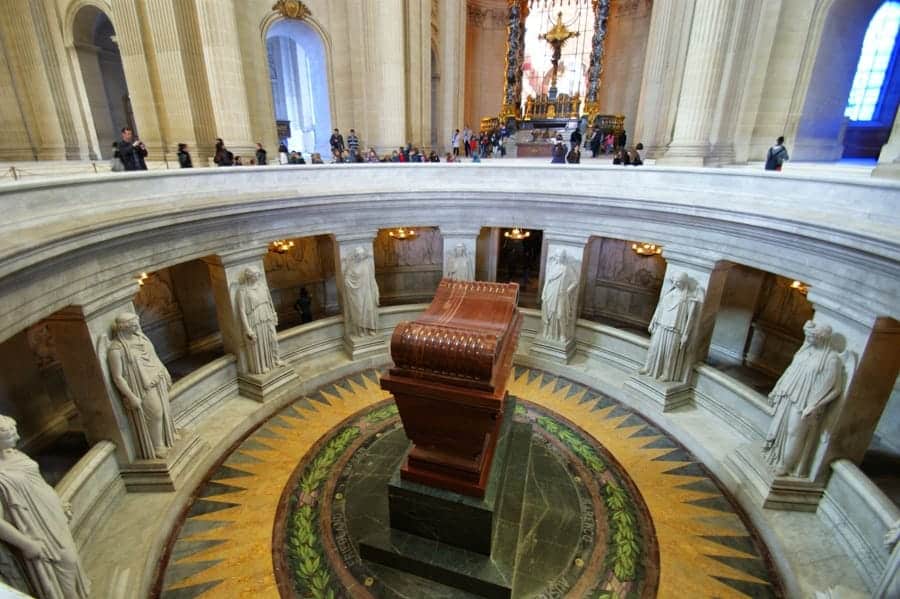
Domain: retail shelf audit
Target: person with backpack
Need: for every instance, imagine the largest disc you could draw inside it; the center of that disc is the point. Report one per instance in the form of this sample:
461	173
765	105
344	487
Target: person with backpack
776	155
223	156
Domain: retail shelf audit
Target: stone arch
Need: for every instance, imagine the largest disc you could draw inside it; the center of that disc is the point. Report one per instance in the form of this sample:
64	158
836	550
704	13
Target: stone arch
276	20
820	126
103	88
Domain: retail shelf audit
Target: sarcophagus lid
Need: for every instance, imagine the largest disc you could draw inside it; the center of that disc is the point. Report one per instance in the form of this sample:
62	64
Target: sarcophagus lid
463	338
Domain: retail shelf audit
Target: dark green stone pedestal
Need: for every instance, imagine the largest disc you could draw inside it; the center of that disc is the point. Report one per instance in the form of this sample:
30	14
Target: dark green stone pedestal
460	541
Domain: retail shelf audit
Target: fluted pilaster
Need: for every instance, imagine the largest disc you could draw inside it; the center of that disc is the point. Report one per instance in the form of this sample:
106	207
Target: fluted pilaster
663	69
452	59
701	82
225	75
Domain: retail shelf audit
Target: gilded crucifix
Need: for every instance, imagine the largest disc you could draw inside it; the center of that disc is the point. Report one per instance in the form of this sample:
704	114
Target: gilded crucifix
557	36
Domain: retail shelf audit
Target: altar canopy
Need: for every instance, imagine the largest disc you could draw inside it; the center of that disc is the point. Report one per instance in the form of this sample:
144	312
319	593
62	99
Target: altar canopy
575	57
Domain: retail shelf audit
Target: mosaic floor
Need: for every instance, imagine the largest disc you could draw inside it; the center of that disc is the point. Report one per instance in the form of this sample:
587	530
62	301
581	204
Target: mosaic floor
612	507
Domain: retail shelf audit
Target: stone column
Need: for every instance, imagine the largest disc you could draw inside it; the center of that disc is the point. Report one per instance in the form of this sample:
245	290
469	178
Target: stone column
454	237
452	56
386	76
663	69
82	335
130	34
418	72
225	271
592	95
867	349
701	83
562	280
708	276
357	346
186	106
889	159
225	75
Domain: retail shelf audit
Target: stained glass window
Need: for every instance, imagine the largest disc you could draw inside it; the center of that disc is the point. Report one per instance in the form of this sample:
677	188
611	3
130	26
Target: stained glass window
874	63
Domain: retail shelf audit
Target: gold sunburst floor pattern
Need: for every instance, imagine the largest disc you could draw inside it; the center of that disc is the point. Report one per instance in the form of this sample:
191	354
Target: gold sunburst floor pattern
224	546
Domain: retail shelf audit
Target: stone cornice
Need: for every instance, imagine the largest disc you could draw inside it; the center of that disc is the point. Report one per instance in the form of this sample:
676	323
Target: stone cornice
93	232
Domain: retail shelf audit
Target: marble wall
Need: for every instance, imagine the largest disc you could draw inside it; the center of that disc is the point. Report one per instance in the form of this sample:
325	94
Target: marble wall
408	271
622	287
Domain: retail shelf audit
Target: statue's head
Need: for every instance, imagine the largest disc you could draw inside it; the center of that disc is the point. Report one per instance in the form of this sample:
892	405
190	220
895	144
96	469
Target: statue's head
682	281
560	256
460	249
816	334
127	322
9	434
249	276
359	254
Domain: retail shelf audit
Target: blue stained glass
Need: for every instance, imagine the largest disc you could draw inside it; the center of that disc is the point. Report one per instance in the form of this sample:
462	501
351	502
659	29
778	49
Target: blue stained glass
878	47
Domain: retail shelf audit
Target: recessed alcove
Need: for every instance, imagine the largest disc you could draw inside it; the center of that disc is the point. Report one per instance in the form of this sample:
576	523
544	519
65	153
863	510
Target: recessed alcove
408	269
302	263
178	313
623	286
759	326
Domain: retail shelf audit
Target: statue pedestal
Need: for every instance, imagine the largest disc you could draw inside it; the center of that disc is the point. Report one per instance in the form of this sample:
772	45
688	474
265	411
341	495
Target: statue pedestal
557	351
364	346
669	395
263	387
164	475
465	542
748	465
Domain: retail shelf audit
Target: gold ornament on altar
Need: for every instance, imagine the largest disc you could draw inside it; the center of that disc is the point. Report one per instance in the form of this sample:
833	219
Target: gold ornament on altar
292	9
557	37
646	249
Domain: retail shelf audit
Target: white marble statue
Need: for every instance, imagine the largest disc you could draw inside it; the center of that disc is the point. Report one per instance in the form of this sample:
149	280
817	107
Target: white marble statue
257	320
144	383
673	330
360	293
33	520
559	299
813	380
460	266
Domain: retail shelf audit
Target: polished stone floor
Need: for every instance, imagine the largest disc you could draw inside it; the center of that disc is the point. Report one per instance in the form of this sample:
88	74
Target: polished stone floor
612	507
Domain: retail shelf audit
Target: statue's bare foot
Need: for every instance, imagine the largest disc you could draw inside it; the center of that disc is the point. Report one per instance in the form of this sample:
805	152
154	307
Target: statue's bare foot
279	362
162	452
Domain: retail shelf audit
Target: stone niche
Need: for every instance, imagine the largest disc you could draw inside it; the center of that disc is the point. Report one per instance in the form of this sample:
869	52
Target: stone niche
33	388
178	313
308	264
622	288
408	271
759	324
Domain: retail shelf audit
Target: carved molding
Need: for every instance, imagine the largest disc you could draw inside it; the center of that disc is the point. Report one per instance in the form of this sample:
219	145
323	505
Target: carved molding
292	9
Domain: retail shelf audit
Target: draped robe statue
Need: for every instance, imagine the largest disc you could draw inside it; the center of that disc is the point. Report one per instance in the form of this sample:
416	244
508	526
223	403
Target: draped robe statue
360	293
459	264
813	380
258	319
144	383
672	331
33	520
559	297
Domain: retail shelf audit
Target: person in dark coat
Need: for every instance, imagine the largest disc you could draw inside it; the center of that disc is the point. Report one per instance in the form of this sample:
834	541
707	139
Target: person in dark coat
132	151
596	142
261	159
575	139
223	156
559	151
184	157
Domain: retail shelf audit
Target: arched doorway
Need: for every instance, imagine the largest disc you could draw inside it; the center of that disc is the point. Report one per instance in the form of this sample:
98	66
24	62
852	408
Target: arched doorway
104	78
298	72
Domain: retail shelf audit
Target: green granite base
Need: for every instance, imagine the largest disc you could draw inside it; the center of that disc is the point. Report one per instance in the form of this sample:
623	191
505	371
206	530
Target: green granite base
453	539
448	517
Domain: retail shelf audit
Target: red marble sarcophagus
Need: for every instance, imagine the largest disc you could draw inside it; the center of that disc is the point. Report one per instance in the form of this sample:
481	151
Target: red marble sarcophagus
449	379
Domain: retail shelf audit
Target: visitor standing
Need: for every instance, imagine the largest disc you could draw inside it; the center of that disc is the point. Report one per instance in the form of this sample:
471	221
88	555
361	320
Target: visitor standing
282	154
467	137
223	156
132	151
575	139
184	157
337	142
776	156
261	159
454	141
353	143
